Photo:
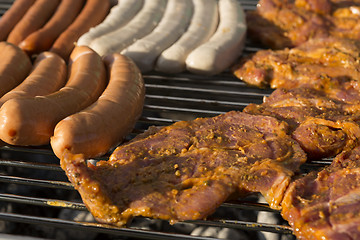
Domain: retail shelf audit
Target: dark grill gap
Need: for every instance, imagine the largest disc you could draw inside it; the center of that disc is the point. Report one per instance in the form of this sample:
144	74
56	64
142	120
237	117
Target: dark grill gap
40	183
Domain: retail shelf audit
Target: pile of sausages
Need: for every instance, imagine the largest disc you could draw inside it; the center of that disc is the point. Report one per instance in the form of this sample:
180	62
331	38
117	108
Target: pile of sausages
86	106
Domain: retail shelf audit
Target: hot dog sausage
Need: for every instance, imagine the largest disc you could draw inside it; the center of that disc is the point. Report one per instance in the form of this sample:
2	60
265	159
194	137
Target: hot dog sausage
31	120
12	16
42	39
92	14
38	14
95	130
15	65
47	76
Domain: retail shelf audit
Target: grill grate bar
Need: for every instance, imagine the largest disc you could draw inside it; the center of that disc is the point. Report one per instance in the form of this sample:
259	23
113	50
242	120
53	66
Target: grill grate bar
95	227
196	100
22	164
138	233
43	150
180	110
243	225
45	202
245	205
204	90
36	182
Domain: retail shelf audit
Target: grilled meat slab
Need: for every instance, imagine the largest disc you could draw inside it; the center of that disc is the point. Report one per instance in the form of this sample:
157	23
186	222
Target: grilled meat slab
288	23
326	204
186	170
319	121
321	63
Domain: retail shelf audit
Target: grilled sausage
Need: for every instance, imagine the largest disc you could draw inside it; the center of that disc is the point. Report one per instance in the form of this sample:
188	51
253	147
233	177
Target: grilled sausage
141	25
95	130
173	24
42	39
225	46
31	120
202	26
12	16
47	76
91	15
119	15
15	65
36	17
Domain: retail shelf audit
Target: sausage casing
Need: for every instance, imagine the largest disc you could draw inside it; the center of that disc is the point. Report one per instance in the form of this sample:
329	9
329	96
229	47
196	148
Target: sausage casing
95	130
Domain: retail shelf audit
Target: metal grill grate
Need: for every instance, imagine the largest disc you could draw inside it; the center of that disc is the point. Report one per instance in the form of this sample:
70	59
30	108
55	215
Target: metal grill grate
169	98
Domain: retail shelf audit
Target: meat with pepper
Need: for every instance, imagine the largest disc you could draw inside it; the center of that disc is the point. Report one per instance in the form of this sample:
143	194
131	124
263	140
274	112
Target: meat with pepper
186	170
320	63
278	24
321	123
326	204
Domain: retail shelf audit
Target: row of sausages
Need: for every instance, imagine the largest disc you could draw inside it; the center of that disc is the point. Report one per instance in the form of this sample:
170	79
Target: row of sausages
86	106
201	36
42	25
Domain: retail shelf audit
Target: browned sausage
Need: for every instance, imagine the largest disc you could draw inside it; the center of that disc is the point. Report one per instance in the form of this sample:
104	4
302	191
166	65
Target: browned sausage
15	65
95	130
91	15
12	16
31	120
47	76
38	14
42	39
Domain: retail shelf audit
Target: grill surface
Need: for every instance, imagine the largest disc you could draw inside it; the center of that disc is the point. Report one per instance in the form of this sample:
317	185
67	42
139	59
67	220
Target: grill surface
169	98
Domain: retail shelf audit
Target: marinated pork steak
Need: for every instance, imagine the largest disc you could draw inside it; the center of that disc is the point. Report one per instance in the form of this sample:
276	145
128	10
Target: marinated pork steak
322	125
288	23
322	62
326	204
186	170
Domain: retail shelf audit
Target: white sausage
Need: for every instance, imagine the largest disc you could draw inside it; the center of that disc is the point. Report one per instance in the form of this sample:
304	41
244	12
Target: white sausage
173	24
142	24
202	27
119	15
225	46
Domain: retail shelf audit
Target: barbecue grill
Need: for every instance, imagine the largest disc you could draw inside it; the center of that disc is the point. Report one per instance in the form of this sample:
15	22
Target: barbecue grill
34	189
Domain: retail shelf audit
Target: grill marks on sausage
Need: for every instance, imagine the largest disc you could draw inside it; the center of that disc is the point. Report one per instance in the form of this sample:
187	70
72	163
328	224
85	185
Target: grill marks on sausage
186	170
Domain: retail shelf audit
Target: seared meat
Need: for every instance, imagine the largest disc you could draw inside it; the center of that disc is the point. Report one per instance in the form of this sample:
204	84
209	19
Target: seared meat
322	63
287	23
323	125
186	170
326	204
